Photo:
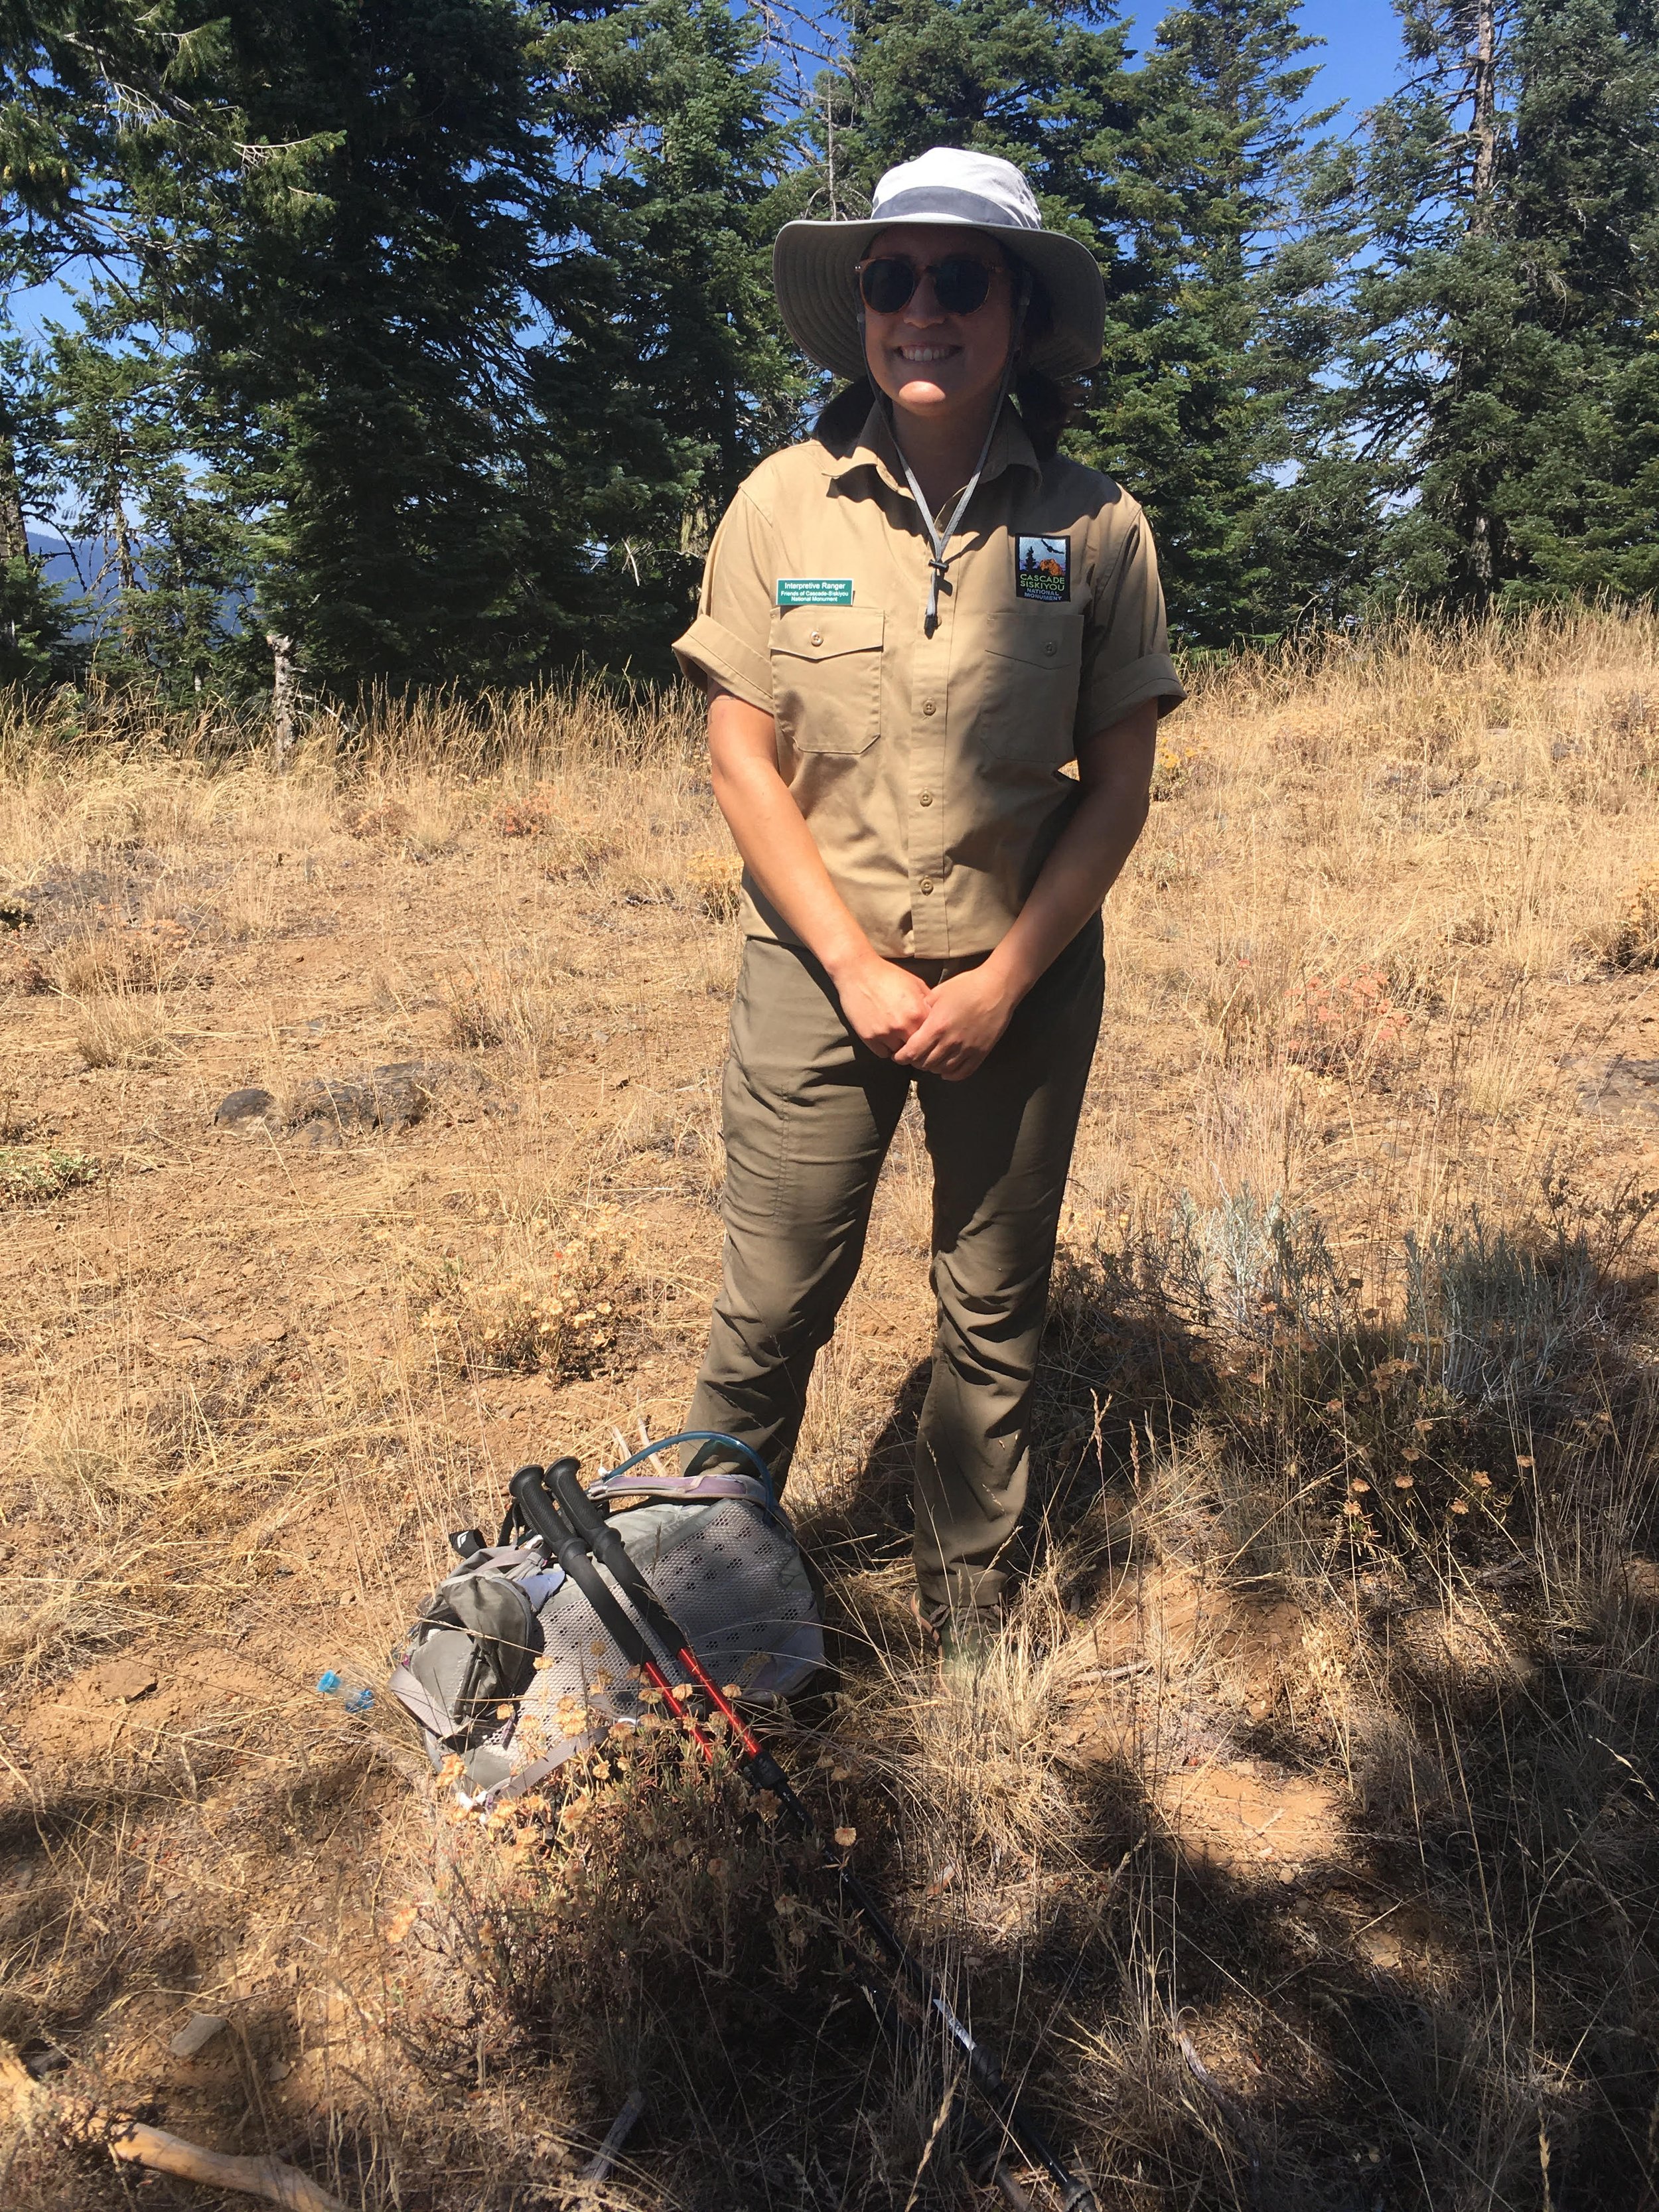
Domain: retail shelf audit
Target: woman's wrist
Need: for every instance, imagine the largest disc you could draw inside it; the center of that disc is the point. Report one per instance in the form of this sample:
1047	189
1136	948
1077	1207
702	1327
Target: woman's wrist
1008	975
847	957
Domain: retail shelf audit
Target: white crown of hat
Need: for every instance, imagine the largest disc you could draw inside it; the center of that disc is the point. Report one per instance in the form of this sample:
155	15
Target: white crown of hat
950	184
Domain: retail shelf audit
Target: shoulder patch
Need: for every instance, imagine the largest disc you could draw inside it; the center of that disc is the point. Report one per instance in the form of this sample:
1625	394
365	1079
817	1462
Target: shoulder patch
1043	568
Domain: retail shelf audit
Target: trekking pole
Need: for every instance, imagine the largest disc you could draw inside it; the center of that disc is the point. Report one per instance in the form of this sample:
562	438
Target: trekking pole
568	1522
568	1547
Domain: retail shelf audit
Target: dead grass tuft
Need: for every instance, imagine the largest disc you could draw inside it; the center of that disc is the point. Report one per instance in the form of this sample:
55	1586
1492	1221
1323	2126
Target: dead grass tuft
1634	942
718	878
573	1310
530	817
128	1031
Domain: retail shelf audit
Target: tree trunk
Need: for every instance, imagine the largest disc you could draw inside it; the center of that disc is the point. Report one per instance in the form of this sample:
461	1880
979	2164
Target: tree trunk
1483	126
284	696
14	532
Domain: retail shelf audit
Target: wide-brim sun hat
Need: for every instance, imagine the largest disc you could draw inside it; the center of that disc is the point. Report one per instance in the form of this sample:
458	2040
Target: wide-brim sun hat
814	264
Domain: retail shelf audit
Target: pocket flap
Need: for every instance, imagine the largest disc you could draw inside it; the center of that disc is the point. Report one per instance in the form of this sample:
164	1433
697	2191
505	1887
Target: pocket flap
1044	640
822	633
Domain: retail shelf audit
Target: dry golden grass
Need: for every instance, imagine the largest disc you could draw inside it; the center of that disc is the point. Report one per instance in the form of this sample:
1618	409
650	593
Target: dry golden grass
1301	1835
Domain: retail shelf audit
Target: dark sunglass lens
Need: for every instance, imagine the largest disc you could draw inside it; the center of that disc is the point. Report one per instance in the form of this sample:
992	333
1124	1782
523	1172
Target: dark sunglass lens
887	284
961	285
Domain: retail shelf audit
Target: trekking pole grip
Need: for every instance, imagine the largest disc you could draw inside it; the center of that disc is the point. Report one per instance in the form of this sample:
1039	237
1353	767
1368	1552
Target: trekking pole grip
529	1493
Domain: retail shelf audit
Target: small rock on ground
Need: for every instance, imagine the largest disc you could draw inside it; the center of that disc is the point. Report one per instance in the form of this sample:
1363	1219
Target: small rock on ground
252	1105
197	2033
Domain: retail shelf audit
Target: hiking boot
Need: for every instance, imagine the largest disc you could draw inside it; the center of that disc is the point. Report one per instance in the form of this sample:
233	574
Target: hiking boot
966	1642
963	1642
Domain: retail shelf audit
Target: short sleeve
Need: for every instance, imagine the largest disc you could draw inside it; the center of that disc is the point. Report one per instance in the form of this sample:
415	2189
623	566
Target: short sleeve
731	638
1126	644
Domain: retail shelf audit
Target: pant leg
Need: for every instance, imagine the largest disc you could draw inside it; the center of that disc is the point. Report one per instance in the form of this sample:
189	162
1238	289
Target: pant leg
1001	1146
809	1113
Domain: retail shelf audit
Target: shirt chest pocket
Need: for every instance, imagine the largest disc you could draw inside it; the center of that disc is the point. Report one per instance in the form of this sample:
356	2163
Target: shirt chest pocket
826	678
1030	667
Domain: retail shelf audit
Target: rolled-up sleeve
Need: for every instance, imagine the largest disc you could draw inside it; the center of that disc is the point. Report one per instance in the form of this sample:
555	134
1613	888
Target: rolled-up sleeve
731	638
1126	646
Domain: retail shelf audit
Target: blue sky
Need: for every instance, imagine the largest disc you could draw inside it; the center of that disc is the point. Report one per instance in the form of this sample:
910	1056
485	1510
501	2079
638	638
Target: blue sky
1361	55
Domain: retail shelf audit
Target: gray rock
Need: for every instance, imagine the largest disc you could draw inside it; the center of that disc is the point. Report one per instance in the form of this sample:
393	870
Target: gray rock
393	1097
197	2033
250	1105
1612	1085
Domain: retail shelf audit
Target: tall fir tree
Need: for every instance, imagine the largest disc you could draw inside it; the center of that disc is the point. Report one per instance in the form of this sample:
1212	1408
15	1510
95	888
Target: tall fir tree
1042	83
461	330
1210	402
37	619
1504	371
356	340
117	133
660	379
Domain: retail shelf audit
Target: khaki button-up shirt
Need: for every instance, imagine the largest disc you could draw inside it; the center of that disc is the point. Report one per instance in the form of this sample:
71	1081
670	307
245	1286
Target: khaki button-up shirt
930	769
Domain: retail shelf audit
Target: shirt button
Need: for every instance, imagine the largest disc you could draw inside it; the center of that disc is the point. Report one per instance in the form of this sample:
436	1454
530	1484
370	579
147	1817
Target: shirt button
928	706
818	639
926	887
927	798
1051	648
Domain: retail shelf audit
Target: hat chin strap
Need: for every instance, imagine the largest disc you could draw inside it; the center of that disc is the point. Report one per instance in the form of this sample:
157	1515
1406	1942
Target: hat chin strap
939	555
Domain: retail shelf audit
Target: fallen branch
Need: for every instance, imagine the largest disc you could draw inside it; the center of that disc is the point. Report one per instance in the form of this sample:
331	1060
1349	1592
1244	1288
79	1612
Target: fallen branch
598	2168
80	2120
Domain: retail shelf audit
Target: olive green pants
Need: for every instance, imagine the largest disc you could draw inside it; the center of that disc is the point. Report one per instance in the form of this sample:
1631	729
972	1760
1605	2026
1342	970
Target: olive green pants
810	1112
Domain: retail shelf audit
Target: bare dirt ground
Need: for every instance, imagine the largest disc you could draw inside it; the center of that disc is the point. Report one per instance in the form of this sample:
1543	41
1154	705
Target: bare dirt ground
1302	1840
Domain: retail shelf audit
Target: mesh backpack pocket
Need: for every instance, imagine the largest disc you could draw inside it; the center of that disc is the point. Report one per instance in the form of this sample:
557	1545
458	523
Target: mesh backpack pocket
724	1560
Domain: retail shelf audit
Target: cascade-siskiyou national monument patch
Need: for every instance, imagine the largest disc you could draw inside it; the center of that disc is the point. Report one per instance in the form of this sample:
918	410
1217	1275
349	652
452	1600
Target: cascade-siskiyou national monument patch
1043	568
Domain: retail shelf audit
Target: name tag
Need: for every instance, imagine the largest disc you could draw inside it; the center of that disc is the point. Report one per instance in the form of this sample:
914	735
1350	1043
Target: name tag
815	591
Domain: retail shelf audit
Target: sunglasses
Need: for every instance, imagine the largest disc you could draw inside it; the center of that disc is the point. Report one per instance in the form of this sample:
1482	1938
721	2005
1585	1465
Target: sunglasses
960	283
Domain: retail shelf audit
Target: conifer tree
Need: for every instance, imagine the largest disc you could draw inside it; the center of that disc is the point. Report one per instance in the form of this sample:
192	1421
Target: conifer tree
36	619
1210	403
1504	370
662	378
95	97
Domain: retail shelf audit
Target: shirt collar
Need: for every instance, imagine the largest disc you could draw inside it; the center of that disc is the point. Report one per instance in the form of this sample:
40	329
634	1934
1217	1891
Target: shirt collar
874	449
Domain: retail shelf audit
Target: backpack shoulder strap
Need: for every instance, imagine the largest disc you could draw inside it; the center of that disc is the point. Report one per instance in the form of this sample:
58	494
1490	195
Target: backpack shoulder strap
688	1490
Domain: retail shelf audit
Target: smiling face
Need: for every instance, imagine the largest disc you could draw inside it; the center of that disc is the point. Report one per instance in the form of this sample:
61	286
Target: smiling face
939	368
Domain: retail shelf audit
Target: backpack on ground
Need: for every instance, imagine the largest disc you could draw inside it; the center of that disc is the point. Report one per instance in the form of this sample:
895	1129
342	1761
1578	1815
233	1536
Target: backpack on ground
507	1670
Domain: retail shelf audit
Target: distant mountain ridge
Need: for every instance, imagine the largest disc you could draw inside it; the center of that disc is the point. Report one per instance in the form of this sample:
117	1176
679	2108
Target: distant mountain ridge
64	561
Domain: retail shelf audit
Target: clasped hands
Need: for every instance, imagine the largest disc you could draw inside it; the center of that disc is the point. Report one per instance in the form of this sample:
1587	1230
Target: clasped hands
946	1032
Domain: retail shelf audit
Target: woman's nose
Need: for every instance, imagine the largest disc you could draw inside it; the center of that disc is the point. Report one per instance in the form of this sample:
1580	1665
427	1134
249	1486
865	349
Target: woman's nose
923	306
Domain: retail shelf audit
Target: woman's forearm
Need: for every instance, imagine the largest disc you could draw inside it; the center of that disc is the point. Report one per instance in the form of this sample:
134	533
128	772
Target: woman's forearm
1088	856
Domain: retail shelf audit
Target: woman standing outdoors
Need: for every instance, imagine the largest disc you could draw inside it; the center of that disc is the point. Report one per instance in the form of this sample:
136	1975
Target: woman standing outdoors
911	624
